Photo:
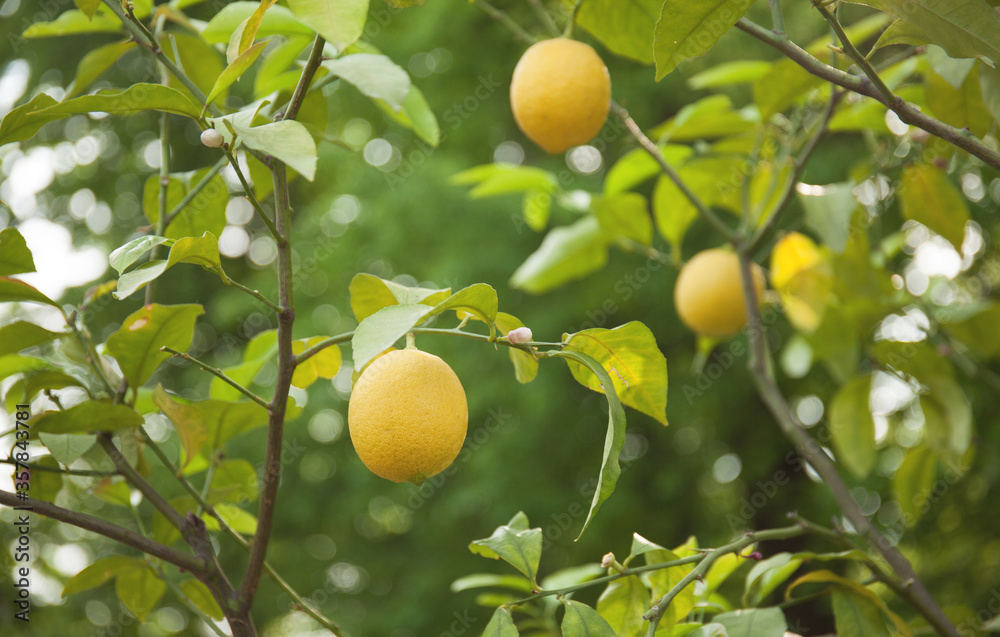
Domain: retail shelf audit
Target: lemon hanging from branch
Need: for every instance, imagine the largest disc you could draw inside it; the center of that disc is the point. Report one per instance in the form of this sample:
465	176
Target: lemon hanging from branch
560	93
408	416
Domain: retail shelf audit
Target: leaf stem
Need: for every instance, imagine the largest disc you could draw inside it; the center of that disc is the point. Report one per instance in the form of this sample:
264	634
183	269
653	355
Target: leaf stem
161	219
254	293
218	373
322	345
888	97
543	14
705	562
668	170
107	529
777	17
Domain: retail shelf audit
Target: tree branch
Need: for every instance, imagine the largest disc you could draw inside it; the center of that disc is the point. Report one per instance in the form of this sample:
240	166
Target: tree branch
151	494
107	529
761	368
907	112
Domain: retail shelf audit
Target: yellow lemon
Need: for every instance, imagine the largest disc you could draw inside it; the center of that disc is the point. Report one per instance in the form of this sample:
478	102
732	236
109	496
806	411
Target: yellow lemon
709	293
408	416
560	93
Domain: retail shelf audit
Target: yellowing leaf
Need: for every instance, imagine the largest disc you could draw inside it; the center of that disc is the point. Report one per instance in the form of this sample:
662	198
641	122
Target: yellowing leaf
325	364
803	277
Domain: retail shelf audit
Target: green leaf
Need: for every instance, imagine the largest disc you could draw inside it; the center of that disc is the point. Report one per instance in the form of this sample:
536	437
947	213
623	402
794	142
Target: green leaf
901	32
340	23
963	28
14	364
287	141
913	483
502	179
756	622
781	86
720	571
15	257
491	580
514	543
729	73
187	420
236	518
91	415
581	620
382	329
325	364
274	68
953	70
689	29
625	28
262	348
709	630
573	575
376	76
46	485
637	166
225	419
525	365
928	196
123	257
856	615
767	575
88	7
24	121
244	35
136	345
131	282
709	118
622	605
199	595
17	291
613	441
828	212
235	69
567	253
203	251
478	299
625	215
416	115
277	21
205	213
501	624
20	335
948	415
629	355
117	493
962	107
74	22
134	99
989	84
66	448
370	294
978	333
100	572
664	580
34	383
201	62
852	427
854	589
140	590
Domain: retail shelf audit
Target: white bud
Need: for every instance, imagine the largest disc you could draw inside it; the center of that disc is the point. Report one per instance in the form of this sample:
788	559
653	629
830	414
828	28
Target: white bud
519	335
212	138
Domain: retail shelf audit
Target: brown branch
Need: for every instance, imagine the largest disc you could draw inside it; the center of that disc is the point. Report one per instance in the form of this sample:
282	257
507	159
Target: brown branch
107	529
908	113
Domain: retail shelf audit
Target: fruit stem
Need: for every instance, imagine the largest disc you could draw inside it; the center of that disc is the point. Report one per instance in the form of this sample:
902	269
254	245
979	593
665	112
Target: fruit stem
411	341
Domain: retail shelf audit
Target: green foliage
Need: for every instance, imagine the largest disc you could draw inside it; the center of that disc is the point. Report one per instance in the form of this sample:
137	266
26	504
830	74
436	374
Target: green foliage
88	416
515	543
685	30
137	345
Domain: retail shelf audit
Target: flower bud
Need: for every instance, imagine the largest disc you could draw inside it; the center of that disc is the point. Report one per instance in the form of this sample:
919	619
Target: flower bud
519	335
212	138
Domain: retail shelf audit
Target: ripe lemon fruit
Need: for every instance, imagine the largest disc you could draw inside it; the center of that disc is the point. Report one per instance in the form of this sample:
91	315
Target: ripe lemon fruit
408	416
560	93
709	293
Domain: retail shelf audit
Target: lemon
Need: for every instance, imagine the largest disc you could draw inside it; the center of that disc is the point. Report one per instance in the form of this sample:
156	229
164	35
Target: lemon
408	416
709	293
560	93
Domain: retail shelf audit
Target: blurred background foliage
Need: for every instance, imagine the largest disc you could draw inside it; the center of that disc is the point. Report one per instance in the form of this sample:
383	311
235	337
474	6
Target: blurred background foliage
382	203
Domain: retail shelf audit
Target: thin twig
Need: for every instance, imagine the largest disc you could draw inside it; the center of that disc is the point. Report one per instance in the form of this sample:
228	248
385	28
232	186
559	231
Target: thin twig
888	97
308	73
151	494
105	528
252	292
705	562
668	170
248	193
218	373
543	14
70	472
161	219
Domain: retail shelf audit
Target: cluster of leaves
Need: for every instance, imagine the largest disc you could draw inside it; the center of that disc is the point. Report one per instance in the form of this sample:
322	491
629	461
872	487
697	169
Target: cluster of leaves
701	586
